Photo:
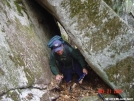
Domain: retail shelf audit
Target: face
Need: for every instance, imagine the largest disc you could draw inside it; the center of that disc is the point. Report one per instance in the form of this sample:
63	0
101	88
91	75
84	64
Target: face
60	52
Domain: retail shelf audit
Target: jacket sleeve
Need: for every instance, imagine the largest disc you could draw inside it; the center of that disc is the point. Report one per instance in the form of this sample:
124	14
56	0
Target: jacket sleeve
53	66
78	56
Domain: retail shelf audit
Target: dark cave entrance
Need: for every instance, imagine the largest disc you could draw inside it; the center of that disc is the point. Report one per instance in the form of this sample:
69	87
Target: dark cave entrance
92	82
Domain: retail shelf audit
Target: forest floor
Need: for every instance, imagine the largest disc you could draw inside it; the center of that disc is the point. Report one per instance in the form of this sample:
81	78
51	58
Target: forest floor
92	84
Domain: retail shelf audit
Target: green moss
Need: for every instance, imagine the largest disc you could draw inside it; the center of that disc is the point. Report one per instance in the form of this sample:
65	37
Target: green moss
8	4
88	14
1	72
3	29
122	73
26	29
122	68
16	57
18	4
117	6
17	60
13	95
5	13
29	76
28	36
64	37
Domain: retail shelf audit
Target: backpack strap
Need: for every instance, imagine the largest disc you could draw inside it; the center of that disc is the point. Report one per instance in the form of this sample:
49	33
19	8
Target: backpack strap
66	46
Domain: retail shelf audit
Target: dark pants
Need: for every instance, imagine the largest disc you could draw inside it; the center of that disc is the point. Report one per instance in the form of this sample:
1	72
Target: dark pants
68	72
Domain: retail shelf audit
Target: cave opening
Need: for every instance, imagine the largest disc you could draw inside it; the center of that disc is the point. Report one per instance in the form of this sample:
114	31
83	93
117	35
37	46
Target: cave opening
92	82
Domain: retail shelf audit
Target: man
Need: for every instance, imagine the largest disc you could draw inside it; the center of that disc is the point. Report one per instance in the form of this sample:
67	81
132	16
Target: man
64	60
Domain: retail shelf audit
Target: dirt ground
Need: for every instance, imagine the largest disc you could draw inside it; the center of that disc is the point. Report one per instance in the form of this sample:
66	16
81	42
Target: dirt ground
92	83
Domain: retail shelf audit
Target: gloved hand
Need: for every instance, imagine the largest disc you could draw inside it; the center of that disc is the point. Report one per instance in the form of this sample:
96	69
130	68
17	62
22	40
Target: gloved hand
59	77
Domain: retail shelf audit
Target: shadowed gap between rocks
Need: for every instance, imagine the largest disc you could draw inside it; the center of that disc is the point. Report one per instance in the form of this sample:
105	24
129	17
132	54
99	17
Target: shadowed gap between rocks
92	81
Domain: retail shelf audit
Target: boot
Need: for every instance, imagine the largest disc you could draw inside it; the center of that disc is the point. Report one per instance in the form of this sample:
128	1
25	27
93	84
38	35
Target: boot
69	86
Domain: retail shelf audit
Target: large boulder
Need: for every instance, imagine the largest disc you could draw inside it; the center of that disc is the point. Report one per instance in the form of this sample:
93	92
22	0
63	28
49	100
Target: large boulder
24	33
104	39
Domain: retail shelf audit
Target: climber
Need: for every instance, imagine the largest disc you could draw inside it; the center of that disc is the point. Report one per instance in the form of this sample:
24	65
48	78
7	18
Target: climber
64	60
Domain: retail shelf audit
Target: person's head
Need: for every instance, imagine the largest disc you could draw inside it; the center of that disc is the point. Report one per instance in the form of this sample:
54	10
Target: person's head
58	47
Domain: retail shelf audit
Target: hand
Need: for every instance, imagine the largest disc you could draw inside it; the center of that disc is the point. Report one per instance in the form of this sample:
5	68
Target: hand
59	77
85	71
80	82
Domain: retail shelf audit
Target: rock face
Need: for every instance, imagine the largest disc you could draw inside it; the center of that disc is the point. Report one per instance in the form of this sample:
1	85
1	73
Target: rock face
103	38
24	33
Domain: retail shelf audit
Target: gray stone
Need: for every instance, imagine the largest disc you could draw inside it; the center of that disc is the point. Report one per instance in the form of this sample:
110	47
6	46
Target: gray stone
104	39
24	55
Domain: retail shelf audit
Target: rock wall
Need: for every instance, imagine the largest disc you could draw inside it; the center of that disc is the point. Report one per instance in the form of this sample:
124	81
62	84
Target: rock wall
104	39
25	29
